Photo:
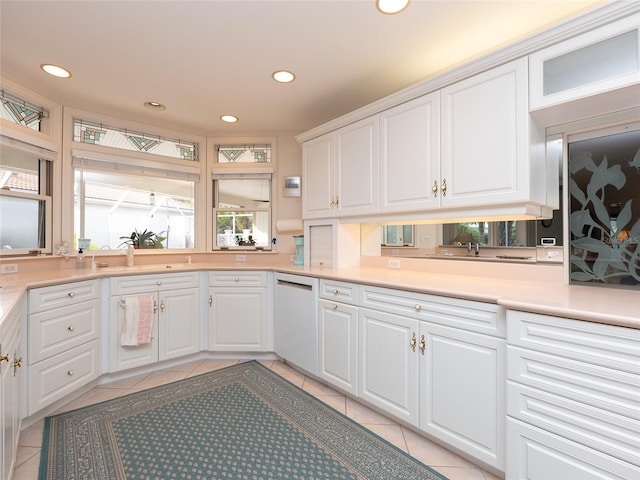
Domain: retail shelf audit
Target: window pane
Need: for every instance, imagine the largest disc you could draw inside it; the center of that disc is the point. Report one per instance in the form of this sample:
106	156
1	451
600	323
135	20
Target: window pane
244	153
19	111
96	134
22	222
242	212
109	206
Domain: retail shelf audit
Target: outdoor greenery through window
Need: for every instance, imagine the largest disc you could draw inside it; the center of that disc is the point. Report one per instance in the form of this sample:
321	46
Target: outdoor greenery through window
113	209
242	210
495	234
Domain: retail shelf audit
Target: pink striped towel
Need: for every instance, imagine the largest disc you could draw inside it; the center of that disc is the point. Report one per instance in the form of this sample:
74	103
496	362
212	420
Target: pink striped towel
138	321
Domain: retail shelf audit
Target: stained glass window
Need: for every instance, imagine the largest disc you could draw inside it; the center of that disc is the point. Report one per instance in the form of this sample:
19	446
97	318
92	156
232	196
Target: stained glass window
18	110
244	153
98	134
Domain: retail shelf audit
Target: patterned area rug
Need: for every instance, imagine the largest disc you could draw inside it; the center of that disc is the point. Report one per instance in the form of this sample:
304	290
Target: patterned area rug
240	422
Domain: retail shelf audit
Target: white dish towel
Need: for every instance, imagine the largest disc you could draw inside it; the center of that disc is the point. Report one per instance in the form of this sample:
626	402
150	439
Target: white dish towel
138	321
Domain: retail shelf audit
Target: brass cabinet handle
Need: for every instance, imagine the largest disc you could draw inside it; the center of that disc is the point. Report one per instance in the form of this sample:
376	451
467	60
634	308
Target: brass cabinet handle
434	189
423	344
70	294
17	363
5	358
444	187
71	328
413	342
162	305
155	307
210	300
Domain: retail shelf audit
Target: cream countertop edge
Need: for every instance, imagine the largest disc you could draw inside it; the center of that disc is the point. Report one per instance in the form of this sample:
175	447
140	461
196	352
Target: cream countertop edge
589	303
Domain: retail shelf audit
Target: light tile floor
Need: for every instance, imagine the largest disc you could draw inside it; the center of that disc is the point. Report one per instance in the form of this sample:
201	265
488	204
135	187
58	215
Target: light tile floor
444	461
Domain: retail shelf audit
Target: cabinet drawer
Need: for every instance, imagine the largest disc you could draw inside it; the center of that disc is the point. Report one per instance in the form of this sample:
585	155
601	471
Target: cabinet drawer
158	282
339	291
538	455
595	343
55	296
58	376
234	278
612	390
478	317
59	330
607	432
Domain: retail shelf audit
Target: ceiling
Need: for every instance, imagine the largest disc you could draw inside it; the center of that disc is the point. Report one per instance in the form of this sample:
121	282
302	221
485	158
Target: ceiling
206	58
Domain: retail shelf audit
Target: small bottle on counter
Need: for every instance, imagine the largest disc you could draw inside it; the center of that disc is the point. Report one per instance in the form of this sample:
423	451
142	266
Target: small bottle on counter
130	256
80	261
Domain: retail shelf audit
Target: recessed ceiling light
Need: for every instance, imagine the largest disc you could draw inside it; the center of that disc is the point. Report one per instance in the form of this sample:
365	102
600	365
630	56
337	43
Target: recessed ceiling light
283	76
158	107
229	118
390	7
55	70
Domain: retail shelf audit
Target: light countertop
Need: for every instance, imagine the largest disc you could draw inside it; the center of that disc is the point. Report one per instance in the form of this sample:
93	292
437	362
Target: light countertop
589	303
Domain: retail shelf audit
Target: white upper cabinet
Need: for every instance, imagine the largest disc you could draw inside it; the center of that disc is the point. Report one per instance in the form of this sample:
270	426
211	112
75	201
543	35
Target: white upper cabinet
410	155
340	172
598	61
485	157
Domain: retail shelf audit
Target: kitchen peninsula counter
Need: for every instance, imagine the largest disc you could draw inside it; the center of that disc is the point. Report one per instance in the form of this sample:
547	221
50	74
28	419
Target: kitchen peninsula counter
589	303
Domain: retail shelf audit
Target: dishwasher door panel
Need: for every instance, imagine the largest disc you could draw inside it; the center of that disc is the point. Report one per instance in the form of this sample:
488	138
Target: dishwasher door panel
296	320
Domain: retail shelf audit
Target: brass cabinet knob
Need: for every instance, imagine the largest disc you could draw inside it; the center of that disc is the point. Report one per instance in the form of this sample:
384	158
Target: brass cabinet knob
5	358
210	300
423	344
162	305
70	294
413	342
335	307
17	363
418	307
71	328
444	187
434	189
70	373
236	279
335	292
155	307
158	282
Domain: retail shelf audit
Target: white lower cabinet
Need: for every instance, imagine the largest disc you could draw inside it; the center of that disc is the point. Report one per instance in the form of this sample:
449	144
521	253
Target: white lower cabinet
63	341
573	399
388	363
238	316
11	358
446	380
176	318
462	390
338	334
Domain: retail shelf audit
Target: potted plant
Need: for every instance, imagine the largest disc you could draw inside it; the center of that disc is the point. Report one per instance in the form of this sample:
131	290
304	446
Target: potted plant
144	239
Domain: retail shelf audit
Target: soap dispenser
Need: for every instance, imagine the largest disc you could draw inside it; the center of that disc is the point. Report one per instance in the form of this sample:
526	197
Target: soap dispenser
80	263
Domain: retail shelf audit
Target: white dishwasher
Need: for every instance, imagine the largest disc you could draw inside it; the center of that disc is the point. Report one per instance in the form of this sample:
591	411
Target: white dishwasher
296	320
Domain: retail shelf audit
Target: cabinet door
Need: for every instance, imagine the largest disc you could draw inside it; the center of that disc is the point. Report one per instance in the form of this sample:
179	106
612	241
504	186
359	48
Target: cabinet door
462	390
317	177
356	158
388	366
338	331
124	357
9	392
238	319
485	138
410	155
179	323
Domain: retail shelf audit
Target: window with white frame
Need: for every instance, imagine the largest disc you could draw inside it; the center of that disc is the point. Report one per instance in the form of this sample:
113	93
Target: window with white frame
25	198
242	210
117	202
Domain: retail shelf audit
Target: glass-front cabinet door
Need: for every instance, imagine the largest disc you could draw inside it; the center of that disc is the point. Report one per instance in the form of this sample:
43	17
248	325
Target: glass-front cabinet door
604	198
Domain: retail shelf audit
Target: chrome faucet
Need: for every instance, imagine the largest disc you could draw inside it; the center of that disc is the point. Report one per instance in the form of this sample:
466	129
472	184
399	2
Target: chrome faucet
470	247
